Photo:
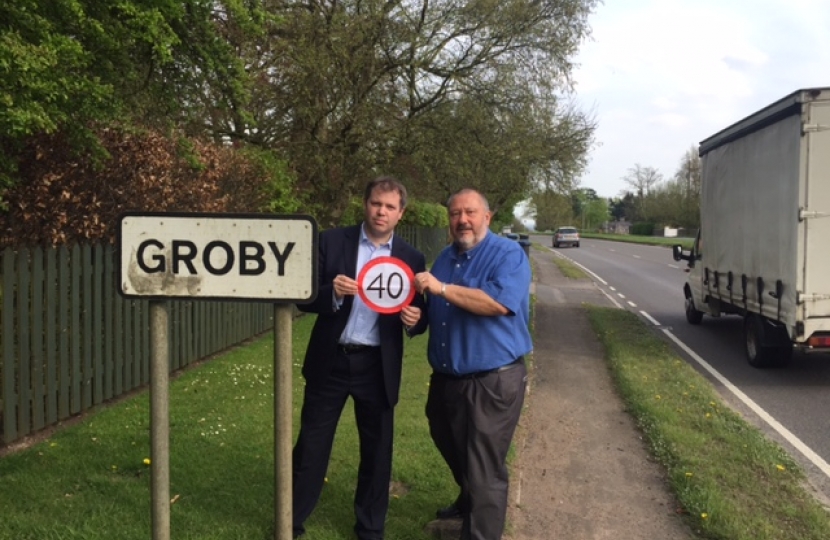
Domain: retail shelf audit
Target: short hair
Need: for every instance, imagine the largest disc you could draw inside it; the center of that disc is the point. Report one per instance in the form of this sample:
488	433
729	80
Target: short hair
386	184
470	190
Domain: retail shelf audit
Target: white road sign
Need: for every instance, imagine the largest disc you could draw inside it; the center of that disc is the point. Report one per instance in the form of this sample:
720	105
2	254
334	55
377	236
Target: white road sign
385	284
218	256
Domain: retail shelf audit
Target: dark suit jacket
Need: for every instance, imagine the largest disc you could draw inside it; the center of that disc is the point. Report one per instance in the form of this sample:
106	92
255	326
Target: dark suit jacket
338	255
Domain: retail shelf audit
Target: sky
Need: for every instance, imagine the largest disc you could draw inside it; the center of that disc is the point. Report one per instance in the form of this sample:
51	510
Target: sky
659	76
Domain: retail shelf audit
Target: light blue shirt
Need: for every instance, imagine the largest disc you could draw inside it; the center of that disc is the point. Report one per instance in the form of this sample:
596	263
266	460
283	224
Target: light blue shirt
362	327
461	342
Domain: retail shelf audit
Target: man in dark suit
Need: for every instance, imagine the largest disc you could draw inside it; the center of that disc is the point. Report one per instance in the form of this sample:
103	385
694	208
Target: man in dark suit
354	352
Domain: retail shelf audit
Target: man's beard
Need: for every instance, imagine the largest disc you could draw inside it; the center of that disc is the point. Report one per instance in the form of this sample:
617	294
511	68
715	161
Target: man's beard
465	243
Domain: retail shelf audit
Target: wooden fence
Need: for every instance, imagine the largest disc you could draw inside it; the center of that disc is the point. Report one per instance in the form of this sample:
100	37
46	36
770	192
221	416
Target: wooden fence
69	341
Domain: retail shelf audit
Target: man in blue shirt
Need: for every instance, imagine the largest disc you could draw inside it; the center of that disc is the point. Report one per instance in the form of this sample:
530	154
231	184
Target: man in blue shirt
478	313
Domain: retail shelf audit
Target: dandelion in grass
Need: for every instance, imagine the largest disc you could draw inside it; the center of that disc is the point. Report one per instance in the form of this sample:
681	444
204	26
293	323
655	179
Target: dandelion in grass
780	467
52	445
658	397
708	415
704	515
146	461
689	474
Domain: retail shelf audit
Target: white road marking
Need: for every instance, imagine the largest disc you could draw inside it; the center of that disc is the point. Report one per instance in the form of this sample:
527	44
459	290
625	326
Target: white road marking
814	458
632	304
650	318
613	300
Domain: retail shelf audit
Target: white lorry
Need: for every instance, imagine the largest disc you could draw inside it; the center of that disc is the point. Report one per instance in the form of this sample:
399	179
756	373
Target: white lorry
763	249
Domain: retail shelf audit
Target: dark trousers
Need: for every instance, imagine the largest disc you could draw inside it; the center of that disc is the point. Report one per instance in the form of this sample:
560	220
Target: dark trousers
358	376
472	422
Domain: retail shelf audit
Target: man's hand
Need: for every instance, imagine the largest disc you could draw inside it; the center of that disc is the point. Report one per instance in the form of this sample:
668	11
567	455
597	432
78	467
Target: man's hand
424	281
410	315
344	285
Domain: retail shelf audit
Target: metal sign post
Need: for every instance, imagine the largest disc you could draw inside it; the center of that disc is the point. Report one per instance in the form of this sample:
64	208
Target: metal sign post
283	318
159	421
221	257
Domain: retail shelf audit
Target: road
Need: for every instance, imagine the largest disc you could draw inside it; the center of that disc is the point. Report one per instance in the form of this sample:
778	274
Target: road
790	404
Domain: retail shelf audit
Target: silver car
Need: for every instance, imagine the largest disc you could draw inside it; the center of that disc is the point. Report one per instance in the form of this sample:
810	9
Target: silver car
566	236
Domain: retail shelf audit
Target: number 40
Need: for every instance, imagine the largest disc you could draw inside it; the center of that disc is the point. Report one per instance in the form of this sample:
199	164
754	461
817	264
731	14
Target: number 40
377	285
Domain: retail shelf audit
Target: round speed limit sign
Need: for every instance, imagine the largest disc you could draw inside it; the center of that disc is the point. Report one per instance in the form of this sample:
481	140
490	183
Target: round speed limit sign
385	284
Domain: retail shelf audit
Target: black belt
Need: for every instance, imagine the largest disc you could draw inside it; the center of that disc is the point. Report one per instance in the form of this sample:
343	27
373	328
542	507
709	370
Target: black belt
351	348
478	374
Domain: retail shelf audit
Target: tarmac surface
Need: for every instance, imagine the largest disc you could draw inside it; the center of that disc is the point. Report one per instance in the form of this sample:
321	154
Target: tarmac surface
582	470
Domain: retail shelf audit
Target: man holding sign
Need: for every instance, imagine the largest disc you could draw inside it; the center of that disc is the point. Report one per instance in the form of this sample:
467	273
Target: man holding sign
365	301
478	311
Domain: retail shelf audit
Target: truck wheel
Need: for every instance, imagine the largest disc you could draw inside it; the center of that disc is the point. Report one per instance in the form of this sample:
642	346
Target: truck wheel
693	316
764	345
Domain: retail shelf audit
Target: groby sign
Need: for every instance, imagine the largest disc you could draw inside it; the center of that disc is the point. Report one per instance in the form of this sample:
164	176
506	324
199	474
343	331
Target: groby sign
219	256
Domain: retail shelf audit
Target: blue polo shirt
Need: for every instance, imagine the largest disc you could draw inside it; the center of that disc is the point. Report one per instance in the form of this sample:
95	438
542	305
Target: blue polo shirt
461	342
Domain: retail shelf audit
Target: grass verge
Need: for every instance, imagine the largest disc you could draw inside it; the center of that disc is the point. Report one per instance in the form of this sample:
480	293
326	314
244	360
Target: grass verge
568	269
89	481
733	483
633	239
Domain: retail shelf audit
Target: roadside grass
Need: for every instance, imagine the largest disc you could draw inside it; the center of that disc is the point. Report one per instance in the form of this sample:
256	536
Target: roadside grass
568	269
730	481
634	239
89	481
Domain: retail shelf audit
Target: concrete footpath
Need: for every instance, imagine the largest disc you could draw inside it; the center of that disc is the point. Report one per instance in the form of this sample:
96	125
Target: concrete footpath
582	470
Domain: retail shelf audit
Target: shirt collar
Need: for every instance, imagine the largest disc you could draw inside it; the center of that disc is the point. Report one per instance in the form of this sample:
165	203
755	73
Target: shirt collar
365	239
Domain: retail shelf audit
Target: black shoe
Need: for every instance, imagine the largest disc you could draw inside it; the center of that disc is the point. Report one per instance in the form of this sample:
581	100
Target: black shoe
448	512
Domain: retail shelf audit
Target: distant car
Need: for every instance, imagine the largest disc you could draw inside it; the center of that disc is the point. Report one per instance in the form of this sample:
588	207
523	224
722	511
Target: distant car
566	236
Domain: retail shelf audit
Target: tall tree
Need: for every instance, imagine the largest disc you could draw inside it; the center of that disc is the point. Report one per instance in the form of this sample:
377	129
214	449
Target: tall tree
67	65
622	208
642	180
346	88
550	209
687	178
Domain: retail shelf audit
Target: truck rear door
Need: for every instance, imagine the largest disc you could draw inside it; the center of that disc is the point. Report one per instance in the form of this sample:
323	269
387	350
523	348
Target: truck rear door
816	212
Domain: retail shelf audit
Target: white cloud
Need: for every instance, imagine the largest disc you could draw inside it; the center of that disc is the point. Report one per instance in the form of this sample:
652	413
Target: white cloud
662	75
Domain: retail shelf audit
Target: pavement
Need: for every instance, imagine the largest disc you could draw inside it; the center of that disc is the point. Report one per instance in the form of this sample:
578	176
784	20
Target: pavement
581	470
